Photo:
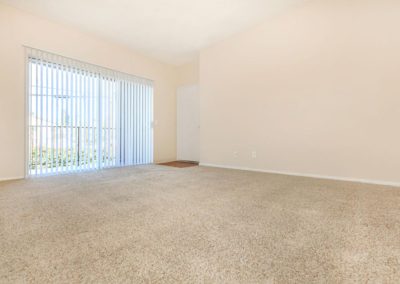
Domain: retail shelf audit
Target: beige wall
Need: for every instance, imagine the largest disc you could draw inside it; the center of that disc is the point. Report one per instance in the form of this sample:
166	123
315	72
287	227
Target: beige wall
314	91
18	28
188	74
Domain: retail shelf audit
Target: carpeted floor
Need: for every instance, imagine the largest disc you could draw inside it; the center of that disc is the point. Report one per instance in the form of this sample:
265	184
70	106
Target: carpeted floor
156	224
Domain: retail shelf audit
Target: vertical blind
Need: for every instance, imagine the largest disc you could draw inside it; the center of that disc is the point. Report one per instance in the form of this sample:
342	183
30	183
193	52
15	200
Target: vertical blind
85	117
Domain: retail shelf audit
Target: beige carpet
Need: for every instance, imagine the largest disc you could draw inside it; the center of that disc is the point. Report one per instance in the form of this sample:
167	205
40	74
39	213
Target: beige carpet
156	224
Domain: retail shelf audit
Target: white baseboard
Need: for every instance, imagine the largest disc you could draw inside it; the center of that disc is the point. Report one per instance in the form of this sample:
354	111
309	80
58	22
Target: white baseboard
367	181
11	178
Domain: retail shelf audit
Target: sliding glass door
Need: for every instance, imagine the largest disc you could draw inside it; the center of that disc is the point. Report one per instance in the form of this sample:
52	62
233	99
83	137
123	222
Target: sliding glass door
83	117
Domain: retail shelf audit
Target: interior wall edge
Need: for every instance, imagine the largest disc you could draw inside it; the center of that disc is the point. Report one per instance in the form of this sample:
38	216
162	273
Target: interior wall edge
12	178
336	178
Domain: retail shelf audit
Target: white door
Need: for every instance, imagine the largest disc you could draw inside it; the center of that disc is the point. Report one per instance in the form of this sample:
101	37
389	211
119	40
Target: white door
188	128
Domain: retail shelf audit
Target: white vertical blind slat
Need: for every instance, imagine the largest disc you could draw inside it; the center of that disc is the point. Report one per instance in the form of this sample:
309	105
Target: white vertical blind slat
88	118
34	108
123	117
141	125
56	95
67	112
75	119
81	156
62	128
30	122
46	124
147	125
40	114
113	123
86	108
135	127
99	122
151	109
139	121
92	126
129	124
105	97
109	123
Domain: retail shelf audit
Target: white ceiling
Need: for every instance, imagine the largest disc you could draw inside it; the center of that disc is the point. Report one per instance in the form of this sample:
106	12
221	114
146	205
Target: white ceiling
170	30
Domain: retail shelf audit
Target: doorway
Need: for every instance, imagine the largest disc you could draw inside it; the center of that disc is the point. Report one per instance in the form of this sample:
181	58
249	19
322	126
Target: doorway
188	123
